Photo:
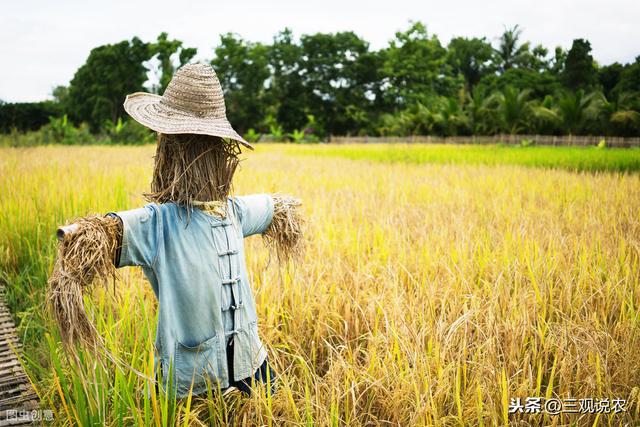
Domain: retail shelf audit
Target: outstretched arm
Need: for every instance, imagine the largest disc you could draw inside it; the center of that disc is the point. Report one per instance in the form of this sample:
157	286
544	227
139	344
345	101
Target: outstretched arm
277	217
87	253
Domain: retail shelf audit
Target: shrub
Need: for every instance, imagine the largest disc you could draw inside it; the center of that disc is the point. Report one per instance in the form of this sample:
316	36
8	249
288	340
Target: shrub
127	132
252	135
61	131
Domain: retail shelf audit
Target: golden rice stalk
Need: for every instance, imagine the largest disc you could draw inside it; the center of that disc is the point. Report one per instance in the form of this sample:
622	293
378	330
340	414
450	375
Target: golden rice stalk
285	233
85	257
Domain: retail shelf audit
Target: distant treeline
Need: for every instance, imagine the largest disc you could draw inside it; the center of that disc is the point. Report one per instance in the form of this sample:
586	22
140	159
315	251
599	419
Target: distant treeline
317	85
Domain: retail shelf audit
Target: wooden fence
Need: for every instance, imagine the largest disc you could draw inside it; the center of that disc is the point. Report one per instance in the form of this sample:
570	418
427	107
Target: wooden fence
567	140
19	404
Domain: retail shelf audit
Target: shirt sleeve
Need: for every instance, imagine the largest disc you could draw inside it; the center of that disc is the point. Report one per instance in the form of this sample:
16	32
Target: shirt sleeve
140	231
254	213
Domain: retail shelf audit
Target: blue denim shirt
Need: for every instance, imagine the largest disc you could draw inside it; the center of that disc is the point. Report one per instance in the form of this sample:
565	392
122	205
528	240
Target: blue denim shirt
198	273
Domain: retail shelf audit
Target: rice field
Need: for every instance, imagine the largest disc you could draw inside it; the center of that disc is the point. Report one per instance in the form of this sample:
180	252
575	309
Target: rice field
435	287
593	159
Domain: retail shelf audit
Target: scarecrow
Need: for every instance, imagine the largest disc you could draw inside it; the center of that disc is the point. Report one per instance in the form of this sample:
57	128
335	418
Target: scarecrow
188	241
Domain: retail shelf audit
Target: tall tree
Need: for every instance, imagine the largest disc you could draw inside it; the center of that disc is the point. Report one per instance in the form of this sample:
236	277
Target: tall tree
285	87
242	69
556	64
629	78
609	77
338	72
471	58
164	49
415	68
98	88
540	84
510	52
579	71
537	59
60	94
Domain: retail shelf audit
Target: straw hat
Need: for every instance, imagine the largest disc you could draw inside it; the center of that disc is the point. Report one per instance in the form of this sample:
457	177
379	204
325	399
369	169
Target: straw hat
192	103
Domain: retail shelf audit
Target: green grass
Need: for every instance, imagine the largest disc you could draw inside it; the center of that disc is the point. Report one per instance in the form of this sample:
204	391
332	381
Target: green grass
590	159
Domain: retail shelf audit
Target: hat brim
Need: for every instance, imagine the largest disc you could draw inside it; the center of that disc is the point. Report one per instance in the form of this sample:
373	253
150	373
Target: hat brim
146	109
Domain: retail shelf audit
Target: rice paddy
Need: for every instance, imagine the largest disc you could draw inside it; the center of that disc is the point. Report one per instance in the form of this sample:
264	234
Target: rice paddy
438	283
570	158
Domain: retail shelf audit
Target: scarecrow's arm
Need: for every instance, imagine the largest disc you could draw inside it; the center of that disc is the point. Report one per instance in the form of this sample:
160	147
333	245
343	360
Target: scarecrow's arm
86	253
284	235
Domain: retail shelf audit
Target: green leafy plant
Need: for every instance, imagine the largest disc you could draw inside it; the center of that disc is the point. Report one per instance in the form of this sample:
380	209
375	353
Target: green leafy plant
61	131
527	142
276	132
297	136
127	132
252	135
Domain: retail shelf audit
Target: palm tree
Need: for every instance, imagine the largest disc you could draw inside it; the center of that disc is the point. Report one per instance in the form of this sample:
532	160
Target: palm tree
514	109
449	117
509	51
394	124
482	118
516	113
577	109
546	118
423	119
621	114
415	120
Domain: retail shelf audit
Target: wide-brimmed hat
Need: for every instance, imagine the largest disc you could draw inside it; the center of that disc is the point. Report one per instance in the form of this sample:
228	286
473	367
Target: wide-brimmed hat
192	103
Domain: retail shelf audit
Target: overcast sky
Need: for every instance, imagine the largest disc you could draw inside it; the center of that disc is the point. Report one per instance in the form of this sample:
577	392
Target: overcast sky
43	42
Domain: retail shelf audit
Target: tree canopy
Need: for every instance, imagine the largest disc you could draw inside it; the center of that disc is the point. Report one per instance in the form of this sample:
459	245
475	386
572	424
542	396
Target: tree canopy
323	84
98	88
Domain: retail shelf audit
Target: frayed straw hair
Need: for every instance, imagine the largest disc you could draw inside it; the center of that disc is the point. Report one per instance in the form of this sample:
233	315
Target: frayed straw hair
84	257
284	236
190	167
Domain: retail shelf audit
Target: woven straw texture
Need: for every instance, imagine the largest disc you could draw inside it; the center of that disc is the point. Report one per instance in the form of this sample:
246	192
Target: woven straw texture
192	103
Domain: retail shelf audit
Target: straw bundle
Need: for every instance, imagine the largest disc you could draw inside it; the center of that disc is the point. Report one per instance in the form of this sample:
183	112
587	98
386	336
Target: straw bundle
191	167
285	233
85	257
